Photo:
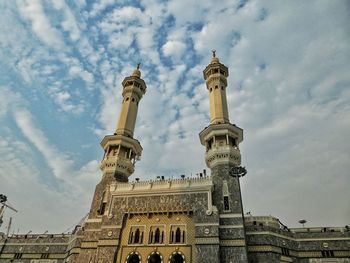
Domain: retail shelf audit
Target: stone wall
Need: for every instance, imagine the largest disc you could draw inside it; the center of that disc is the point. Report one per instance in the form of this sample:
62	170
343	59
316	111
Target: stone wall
296	246
231	222
26	248
105	234
216	234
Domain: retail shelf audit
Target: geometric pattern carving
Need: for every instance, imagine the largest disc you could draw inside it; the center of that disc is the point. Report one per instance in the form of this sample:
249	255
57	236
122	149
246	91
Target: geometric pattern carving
232	243
207	240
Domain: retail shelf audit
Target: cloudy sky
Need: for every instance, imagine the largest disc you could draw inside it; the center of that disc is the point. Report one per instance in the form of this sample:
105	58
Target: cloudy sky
61	68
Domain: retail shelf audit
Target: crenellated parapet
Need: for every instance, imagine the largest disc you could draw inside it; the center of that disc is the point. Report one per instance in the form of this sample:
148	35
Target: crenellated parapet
165	184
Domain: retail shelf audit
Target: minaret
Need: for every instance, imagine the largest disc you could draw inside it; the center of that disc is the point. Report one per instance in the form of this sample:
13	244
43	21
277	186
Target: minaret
221	140
121	150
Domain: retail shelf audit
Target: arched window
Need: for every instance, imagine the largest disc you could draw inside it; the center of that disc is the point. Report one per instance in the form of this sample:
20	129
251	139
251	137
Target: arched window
141	238
103	203
137	236
157	236
155	258
151	237
178	235
177	258
226	203
131	237
134	258
172	237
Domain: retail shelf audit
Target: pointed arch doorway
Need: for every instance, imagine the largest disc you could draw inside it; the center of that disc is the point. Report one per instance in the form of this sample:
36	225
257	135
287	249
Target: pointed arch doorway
155	258
177	258
134	259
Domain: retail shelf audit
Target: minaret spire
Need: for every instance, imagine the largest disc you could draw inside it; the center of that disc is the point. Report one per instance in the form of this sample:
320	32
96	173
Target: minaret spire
221	138
215	75
121	149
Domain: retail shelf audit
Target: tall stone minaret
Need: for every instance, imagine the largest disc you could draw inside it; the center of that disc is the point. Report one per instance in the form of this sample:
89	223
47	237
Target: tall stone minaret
121	150
221	140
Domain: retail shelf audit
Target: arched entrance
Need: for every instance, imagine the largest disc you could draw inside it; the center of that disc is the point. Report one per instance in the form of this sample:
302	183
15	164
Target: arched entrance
133	258
155	257
176	257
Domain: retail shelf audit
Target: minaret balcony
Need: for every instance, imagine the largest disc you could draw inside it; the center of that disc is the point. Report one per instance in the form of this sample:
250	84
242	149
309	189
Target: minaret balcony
226	154
128	142
113	164
216	68
216	77
219	129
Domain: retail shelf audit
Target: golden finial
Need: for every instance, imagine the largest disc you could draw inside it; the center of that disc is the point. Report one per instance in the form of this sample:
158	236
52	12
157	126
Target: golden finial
214	59
137	72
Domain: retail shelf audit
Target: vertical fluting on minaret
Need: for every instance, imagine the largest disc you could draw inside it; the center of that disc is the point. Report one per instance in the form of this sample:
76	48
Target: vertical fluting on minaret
121	150
221	138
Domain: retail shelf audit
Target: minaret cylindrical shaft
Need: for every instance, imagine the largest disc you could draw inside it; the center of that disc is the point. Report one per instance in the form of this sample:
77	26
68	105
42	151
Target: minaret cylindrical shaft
128	114
133	90
215	75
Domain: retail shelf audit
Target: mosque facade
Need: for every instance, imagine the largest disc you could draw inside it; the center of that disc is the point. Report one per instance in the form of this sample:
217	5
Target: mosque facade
199	220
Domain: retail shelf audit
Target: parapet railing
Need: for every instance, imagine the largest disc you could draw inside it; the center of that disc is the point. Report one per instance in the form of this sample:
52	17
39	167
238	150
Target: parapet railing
167	183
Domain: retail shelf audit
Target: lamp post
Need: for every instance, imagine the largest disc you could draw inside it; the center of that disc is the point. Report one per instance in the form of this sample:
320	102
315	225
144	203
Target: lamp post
302	221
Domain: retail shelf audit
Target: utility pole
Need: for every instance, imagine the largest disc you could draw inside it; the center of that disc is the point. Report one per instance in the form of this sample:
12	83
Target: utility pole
9	227
3	200
6	237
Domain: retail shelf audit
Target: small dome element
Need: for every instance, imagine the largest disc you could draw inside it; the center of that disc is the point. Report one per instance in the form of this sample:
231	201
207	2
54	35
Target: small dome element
214	59
137	72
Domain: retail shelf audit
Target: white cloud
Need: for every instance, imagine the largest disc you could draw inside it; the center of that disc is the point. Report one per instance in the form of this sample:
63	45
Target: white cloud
77	71
60	164
41	25
81	3
190	11
63	99
99	6
8	100
70	200
69	23
126	15
175	49
22	183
